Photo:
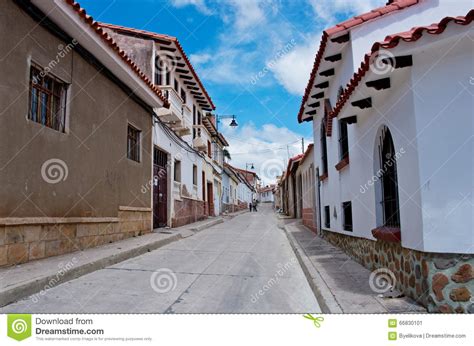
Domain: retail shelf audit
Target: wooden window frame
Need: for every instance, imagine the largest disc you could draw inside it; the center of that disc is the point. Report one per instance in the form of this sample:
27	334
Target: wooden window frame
51	92
133	149
177	171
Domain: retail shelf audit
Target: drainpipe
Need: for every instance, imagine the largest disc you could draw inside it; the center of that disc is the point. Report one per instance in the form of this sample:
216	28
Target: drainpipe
318	181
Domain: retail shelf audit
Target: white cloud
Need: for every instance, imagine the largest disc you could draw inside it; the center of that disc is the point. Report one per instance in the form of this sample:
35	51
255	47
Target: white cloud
257	29
198	59
292	70
249	144
199	4
328	10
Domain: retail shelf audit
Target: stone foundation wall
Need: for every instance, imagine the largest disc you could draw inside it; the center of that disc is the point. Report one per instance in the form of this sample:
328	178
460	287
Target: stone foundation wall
28	239
440	282
188	211
232	208
308	219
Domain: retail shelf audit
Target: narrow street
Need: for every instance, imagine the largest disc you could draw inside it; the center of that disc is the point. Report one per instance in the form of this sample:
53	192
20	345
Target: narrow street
244	265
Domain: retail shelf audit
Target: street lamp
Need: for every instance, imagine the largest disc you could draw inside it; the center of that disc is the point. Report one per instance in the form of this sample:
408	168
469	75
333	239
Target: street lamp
249	164
233	123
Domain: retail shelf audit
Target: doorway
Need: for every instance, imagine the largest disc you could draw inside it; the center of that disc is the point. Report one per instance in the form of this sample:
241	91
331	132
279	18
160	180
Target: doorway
160	188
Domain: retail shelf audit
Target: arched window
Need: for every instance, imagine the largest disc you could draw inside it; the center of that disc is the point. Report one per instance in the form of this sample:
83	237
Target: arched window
388	180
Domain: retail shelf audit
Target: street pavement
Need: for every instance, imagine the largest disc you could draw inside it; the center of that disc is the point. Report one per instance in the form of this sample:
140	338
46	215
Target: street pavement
244	265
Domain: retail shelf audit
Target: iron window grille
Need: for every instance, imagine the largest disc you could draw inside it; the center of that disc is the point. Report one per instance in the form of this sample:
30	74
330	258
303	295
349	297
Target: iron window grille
343	140
389	185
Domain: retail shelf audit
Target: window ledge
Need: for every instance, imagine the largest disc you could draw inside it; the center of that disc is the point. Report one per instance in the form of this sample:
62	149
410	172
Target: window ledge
343	163
388	234
323	177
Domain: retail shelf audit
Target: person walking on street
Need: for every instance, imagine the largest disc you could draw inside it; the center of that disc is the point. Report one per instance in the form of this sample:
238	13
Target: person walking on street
250	206
254	205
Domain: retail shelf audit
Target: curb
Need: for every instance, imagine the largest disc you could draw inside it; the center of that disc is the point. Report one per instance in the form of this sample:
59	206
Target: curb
25	289
207	224
327	301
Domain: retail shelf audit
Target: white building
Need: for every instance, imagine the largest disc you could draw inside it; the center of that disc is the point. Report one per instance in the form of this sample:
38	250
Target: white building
188	159
392	109
265	194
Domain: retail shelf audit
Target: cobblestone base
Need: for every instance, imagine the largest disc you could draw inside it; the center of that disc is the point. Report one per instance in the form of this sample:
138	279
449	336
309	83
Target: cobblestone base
440	282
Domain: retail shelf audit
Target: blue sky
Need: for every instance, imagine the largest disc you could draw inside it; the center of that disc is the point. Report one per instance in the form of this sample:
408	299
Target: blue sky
253	56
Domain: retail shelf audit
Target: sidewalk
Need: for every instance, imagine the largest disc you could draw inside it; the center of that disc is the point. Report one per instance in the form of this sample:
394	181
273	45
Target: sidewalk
340	284
20	281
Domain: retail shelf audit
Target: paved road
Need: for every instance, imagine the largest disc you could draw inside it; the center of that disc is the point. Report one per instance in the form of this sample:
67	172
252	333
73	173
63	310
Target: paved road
244	265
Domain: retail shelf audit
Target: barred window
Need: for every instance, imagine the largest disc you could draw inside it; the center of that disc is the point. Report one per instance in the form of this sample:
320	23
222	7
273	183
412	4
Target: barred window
47	99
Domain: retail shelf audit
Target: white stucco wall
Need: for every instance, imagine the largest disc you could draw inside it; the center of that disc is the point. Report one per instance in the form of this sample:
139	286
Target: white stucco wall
424	13
444	107
429	111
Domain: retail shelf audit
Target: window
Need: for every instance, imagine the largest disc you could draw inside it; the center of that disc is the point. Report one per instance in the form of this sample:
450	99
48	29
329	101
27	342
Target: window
194	121
160	158
133	143
195	175
209	149
388	180
324	150
47	100
343	140
176	85
177	171
183	95
162	72
347	216
327	217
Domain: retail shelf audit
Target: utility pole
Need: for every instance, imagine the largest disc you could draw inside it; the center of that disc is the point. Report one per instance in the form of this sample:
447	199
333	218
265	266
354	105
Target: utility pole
302	145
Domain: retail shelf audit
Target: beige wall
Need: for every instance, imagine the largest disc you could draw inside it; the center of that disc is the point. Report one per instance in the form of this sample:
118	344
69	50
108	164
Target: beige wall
100	177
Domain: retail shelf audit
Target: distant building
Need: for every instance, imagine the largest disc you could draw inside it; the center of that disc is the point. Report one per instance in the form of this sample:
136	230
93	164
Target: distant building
265	194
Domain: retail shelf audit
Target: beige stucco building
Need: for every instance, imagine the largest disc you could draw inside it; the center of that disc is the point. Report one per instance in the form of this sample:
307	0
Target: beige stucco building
76	134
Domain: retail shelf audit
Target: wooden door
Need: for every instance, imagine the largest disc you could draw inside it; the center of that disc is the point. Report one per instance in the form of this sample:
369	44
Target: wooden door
210	199
160	188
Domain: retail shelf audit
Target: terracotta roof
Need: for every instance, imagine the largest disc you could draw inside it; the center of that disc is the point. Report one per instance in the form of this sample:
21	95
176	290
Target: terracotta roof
391	6
392	41
166	38
291	161
111	43
306	153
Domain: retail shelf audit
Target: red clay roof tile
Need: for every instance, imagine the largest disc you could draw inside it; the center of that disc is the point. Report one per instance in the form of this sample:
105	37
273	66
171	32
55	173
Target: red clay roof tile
110	42
166	38
390	42
344	26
